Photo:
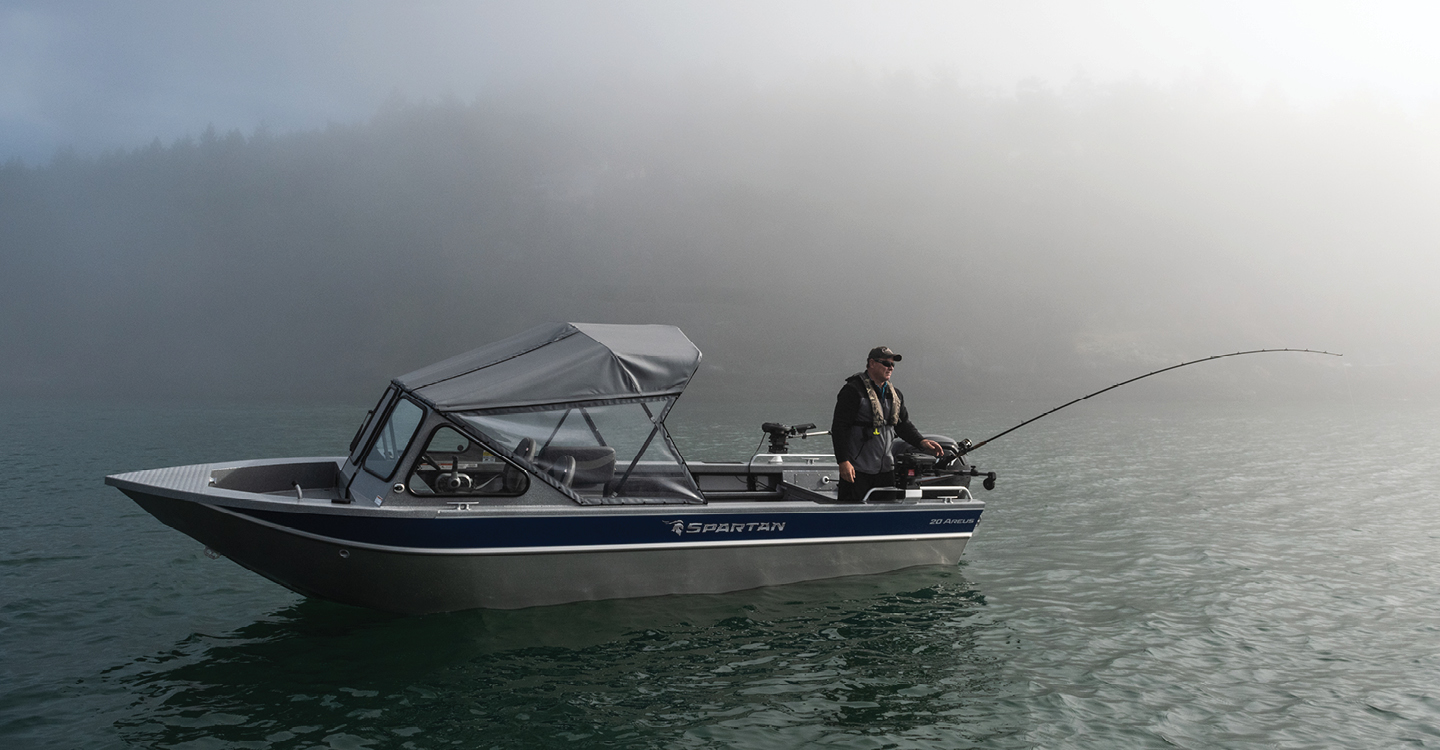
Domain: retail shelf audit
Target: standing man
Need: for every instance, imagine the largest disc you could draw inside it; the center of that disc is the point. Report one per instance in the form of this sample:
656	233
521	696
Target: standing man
869	413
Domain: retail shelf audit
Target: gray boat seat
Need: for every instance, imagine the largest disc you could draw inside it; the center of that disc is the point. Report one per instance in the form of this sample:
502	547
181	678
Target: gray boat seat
594	464
525	450
514	479
564	470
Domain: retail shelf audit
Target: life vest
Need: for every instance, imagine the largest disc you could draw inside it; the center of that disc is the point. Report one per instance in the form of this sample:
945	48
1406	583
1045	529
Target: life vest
877	419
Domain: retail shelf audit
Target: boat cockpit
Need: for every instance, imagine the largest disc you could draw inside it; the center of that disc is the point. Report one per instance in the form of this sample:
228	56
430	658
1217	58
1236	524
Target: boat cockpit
606	453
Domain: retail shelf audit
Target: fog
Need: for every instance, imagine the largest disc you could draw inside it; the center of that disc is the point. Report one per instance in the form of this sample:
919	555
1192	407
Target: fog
1029	202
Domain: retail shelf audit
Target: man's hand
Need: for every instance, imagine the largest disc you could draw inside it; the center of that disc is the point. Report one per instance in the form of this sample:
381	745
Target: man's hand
933	447
847	472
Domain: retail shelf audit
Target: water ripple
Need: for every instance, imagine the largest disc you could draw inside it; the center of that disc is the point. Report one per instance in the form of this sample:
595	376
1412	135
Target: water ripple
1146	576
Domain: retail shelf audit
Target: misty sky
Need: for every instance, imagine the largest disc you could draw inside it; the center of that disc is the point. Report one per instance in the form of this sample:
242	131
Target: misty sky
310	198
100	76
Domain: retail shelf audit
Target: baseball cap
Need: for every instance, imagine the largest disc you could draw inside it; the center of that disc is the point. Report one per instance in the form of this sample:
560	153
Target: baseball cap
884	352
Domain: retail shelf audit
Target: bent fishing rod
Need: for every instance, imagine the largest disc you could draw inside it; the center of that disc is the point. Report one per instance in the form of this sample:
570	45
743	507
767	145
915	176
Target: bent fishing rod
964	449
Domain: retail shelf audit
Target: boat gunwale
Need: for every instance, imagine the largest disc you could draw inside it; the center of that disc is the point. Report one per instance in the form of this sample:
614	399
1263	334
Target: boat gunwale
210	495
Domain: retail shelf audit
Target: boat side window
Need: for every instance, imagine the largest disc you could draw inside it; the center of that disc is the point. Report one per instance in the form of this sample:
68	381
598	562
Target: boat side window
454	465
393	437
606	449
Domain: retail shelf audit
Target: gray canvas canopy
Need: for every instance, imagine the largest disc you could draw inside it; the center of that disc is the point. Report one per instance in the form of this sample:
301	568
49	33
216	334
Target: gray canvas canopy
561	363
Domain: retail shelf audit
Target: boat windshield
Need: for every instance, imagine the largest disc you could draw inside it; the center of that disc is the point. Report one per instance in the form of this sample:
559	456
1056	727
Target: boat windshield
390	442
599	451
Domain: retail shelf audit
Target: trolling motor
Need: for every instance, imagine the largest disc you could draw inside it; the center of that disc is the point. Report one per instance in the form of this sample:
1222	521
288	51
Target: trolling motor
780	434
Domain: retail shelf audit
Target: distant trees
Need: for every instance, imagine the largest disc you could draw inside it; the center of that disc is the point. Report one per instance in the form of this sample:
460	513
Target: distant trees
1011	241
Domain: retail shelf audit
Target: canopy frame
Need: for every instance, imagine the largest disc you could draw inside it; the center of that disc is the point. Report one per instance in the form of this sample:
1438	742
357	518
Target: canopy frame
623	365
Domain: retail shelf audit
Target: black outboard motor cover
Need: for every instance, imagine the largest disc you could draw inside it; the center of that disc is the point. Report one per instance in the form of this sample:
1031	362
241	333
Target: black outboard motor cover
913	464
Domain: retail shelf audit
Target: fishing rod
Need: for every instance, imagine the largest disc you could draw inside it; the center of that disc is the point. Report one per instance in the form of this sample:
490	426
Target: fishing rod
968	448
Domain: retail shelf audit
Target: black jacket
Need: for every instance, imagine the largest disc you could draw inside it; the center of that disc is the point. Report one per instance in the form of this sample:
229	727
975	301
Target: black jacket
849	428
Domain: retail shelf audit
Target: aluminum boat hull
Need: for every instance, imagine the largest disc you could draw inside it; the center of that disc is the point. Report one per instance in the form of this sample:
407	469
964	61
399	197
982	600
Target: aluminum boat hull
415	582
421	561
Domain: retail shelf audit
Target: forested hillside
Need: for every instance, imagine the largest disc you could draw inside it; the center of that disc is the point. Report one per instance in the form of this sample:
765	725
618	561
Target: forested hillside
1039	241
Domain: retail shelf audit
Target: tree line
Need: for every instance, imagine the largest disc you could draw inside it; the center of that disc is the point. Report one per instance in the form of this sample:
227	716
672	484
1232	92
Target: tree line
1010	241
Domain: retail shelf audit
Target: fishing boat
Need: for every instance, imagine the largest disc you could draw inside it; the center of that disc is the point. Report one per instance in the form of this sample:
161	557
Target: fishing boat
538	470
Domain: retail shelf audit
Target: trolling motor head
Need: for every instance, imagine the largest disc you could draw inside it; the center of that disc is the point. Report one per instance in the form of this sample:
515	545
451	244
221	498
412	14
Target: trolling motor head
780	434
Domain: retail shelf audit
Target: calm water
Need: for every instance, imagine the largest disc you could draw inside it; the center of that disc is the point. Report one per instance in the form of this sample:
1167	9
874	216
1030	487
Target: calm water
1145	576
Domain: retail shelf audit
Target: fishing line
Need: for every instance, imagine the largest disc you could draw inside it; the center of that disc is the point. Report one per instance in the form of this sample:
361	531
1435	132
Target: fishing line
982	443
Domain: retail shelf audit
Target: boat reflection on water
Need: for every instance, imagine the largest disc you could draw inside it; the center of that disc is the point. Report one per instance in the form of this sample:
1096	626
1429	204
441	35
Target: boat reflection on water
538	470
854	654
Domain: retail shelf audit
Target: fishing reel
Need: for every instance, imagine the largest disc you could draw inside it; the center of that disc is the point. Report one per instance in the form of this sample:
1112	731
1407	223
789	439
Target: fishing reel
780	434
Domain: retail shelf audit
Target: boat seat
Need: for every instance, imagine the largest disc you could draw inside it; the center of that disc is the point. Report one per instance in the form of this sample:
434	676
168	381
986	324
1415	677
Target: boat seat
564	470
513	479
594	464
525	449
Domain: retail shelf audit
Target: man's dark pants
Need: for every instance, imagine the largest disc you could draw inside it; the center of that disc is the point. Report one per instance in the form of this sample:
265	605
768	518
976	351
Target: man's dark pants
854	492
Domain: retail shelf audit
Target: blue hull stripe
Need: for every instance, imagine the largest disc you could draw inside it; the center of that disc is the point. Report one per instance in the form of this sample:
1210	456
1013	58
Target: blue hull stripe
516	532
